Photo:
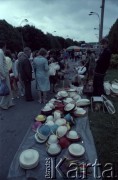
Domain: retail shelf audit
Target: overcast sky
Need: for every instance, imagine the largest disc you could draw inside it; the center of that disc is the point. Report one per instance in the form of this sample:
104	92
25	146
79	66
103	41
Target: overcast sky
69	18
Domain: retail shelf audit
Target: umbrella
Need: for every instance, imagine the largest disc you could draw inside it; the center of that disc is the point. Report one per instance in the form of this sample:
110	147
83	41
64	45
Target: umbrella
76	48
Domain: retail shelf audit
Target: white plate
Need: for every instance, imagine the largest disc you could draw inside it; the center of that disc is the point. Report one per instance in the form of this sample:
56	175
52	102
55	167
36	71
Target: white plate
76	149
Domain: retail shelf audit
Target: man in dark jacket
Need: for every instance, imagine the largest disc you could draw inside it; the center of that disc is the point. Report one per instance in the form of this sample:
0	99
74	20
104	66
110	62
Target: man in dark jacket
101	68
25	72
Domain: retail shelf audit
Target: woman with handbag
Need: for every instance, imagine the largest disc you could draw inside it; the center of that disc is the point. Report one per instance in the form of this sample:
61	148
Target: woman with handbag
6	100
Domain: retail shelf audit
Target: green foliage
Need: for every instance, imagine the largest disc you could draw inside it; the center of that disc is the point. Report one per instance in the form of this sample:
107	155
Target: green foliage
114	61
113	37
10	35
18	37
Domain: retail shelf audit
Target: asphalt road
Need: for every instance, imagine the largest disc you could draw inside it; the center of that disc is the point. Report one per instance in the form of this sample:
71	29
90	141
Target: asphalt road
14	124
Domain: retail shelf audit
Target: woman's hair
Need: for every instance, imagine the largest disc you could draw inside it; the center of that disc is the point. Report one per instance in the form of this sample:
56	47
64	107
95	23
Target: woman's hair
2	44
8	53
42	52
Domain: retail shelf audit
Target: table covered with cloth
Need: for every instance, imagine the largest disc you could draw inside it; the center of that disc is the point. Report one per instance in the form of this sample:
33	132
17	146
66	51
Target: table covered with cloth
40	172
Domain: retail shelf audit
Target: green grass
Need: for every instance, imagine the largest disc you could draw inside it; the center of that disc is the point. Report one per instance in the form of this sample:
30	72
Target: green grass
105	129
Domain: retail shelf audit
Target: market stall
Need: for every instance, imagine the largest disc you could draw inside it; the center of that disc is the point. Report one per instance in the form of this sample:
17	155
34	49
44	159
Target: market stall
60	132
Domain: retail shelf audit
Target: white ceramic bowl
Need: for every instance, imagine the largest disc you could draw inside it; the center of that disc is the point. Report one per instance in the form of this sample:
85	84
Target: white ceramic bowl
60	121
61	131
52	139
29	159
76	149
54	149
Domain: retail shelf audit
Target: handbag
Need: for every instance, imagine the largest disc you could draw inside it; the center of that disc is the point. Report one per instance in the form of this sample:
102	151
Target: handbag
4	90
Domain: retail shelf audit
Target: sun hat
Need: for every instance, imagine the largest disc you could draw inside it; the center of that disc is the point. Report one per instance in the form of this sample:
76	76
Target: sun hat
62	93
38	139
43	131
60	121
40	118
54	149
54	128
76	149
69	107
82	102
68	117
50	118
36	125
64	142
73	135
114	88
61	131
29	158
79	111
52	139
49	123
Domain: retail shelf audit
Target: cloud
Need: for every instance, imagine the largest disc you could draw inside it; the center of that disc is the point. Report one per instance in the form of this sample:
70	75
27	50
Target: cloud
66	17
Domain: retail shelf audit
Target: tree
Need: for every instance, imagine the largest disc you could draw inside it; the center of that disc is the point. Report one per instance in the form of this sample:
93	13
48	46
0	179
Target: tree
11	36
113	37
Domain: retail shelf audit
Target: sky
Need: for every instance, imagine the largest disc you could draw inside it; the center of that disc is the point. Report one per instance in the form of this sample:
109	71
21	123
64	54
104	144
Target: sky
65	18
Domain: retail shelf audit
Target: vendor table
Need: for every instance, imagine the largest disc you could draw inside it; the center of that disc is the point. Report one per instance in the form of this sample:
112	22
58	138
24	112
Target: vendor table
41	171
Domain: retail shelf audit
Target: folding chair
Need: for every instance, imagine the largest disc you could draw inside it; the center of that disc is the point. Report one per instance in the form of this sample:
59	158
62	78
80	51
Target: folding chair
97	99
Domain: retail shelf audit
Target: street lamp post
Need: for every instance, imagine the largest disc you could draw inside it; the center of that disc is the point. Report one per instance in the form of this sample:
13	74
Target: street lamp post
24	20
95	13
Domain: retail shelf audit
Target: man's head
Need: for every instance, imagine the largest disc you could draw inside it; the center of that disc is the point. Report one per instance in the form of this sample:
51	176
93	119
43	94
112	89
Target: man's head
27	51
104	42
3	45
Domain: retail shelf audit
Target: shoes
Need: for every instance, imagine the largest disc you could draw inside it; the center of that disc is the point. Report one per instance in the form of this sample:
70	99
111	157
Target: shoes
40	101
11	105
4	107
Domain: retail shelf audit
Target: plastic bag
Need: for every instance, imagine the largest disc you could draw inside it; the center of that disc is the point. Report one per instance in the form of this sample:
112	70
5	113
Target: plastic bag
4	90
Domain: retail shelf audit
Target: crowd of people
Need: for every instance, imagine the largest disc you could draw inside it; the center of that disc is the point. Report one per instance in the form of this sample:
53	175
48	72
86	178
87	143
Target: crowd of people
48	68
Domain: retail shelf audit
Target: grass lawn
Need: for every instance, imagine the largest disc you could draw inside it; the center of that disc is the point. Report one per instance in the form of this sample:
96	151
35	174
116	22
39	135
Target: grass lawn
105	129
